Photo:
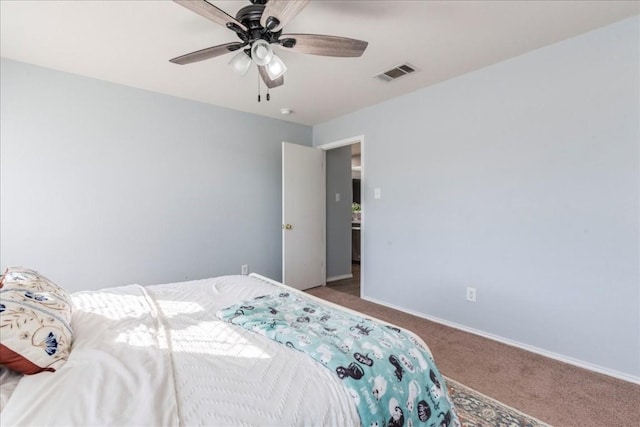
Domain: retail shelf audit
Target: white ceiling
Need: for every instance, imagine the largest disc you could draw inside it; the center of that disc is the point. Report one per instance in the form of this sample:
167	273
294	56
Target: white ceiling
131	42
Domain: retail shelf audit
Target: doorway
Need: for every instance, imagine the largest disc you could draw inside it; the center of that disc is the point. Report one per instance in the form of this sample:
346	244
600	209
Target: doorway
344	215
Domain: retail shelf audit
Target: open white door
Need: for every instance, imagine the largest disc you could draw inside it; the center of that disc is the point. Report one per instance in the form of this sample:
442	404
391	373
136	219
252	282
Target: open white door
303	216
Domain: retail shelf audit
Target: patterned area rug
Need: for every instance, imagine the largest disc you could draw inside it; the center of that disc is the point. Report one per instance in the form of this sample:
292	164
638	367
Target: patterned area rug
477	410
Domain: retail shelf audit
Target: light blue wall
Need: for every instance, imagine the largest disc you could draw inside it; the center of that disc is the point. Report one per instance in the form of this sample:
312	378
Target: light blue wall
103	184
338	174
522	180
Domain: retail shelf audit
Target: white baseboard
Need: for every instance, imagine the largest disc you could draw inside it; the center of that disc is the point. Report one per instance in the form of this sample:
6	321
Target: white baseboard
527	347
334	278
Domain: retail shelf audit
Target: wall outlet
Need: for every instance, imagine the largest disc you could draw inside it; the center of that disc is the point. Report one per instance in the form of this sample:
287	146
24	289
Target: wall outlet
471	294
245	269
337	197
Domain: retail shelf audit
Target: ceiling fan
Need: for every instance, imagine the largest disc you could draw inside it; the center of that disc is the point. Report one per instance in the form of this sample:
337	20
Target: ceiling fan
259	28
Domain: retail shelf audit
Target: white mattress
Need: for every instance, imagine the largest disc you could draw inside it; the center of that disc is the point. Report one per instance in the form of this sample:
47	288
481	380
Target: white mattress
159	356
8	382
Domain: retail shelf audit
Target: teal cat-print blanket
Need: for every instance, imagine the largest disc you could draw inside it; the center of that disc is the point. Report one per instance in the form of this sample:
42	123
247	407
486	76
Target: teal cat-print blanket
390	375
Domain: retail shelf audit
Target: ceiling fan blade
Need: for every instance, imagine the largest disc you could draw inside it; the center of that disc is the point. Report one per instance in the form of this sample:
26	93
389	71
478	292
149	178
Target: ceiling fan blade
267	80
209	11
283	10
317	44
210	52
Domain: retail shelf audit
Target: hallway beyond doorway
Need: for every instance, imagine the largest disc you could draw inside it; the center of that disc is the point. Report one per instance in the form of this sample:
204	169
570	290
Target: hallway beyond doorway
349	286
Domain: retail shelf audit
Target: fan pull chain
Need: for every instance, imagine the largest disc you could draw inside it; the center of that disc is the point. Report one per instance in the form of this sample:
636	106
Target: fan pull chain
268	94
258	87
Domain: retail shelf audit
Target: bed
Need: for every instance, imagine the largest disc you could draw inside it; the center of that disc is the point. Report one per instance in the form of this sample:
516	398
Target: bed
166	355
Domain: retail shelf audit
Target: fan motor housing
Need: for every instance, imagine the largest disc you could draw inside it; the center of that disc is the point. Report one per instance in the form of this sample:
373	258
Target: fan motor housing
250	17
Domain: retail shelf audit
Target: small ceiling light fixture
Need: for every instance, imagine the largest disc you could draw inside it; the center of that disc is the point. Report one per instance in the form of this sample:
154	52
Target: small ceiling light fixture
286	111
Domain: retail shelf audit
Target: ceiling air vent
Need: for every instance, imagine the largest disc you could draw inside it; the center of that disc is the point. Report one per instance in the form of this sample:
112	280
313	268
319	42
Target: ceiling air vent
397	72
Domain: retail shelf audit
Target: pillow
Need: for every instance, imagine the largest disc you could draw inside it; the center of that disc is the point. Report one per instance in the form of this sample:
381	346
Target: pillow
35	315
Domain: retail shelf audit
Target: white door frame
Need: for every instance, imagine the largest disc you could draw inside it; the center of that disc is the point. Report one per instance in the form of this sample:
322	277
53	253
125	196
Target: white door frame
341	143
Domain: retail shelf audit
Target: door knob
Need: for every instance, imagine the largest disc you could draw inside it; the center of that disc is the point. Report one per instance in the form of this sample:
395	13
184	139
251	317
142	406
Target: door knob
287	226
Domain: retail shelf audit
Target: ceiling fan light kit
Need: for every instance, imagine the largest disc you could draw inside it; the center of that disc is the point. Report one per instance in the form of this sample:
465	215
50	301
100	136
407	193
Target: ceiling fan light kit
259	26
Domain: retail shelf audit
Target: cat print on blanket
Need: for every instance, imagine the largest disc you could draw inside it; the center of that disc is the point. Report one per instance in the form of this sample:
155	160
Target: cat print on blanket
389	375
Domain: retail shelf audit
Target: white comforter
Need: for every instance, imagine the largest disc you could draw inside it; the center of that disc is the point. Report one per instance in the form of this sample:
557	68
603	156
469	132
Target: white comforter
158	356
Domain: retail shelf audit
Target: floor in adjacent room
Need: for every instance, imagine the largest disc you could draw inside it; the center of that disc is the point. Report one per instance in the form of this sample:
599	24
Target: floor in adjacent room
349	286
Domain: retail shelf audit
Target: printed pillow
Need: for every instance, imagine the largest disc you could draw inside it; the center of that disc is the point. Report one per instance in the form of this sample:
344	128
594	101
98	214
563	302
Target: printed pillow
35	315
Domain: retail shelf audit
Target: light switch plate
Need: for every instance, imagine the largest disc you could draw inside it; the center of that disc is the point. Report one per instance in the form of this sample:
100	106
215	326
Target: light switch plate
377	194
